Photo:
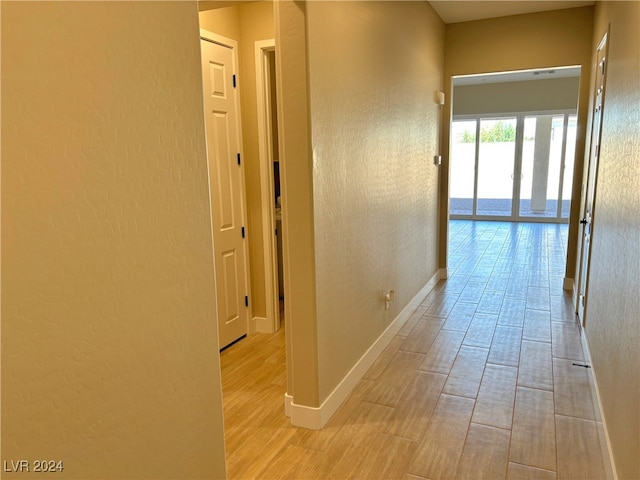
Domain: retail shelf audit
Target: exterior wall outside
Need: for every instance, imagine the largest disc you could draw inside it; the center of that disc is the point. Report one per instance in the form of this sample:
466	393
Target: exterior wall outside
374	68
521	42
613	307
109	341
248	23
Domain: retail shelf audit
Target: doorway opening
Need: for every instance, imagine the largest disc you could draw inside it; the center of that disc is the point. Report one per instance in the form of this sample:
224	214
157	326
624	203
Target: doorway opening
255	367
249	24
512	147
269	151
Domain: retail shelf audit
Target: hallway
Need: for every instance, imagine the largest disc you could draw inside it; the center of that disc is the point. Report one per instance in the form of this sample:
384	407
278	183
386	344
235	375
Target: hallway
480	382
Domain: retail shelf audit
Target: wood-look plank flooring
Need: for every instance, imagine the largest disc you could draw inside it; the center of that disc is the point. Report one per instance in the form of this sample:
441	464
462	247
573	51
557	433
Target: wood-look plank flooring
478	383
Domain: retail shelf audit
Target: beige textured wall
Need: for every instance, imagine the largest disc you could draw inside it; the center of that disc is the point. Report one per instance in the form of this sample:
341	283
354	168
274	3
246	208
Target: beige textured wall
109	340
510	97
248	23
256	23
536	40
613	305
223	21
374	68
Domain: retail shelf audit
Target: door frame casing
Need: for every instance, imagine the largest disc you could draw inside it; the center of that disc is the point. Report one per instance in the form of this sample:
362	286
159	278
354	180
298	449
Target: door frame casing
265	142
591	170
208	36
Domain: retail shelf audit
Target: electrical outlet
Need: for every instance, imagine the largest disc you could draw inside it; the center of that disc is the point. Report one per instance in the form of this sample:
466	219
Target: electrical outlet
389	297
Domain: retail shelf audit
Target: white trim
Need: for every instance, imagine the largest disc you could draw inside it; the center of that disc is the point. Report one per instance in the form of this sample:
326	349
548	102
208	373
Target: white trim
266	184
219	39
316	417
472	116
288	400
567	284
308	417
443	274
601	424
262	325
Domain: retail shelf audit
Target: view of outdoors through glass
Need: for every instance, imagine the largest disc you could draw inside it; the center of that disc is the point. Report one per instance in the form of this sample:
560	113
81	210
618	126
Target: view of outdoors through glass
513	167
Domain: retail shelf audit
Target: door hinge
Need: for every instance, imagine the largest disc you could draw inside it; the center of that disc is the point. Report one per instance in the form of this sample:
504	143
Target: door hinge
235	81
242	231
238	159
246	300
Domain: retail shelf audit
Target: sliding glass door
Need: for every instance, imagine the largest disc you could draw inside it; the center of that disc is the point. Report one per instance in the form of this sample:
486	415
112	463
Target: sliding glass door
463	156
513	167
496	158
548	149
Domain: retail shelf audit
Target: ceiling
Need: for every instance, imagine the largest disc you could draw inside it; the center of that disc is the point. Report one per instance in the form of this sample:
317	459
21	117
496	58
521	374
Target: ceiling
454	11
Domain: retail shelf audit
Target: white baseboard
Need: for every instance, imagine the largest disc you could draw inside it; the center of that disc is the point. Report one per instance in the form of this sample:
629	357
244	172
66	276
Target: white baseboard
315	418
567	284
443	273
288	400
262	325
603	433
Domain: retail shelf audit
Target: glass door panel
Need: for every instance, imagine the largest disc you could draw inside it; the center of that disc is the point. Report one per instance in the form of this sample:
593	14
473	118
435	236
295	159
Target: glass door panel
541	160
463	166
511	168
542	180
526	170
569	160
496	161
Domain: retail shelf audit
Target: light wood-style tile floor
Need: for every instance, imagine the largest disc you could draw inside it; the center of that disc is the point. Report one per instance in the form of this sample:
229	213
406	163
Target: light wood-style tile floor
479	383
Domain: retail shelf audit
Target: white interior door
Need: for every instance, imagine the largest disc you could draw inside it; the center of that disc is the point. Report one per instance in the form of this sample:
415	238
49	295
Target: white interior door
226	183
591	176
